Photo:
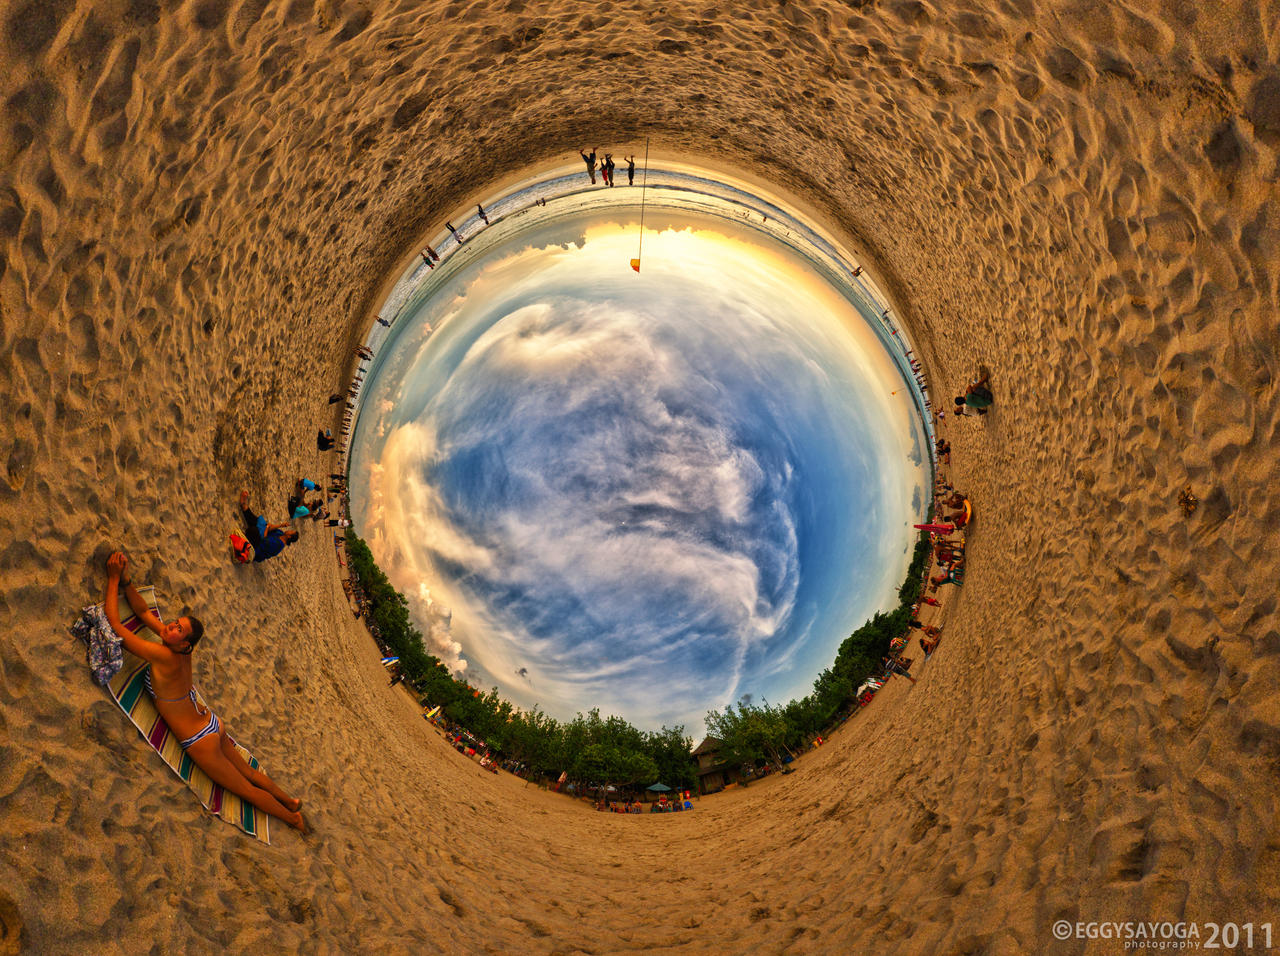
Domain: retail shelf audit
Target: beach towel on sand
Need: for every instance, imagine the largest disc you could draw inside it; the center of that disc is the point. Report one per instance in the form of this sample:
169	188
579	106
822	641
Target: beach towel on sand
127	690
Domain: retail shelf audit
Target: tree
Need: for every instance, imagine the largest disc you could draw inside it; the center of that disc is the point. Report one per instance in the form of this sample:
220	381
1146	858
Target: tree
609	750
750	733
672	754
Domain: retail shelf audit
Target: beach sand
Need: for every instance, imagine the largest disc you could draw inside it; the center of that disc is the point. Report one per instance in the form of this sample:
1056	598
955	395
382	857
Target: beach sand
198	204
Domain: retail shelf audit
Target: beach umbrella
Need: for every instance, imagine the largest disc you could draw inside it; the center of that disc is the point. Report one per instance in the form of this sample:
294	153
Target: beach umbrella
659	788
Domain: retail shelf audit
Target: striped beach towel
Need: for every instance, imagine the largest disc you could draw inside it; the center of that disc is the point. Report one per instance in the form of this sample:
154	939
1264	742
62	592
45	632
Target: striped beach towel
128	691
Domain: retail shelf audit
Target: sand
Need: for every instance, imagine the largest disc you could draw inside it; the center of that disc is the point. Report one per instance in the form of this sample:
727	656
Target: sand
198	202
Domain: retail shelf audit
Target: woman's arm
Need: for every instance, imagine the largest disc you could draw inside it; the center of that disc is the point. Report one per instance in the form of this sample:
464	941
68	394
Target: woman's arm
140	608
138	605
147	650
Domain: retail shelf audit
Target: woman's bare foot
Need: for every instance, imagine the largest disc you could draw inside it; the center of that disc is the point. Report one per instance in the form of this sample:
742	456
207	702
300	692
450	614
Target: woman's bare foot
297	821
293	804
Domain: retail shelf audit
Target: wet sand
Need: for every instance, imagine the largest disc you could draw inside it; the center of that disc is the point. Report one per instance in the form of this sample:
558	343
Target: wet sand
198	204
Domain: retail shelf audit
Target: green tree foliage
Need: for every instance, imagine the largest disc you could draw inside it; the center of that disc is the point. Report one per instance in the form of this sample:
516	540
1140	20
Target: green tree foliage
909	593
753	733
595	751
600	751
669	749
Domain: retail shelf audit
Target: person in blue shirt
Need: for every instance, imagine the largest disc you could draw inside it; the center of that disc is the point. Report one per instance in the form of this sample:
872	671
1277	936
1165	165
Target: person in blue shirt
268	540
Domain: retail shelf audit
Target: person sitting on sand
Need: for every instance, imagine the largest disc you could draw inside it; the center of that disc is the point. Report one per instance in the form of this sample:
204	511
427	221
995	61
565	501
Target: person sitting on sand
948	553
929	629
977	395
897	665
268	540
297	504
928	643
951	576
199	731
963	510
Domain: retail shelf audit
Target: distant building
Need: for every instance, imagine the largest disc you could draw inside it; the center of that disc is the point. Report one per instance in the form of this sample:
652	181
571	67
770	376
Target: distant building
714	774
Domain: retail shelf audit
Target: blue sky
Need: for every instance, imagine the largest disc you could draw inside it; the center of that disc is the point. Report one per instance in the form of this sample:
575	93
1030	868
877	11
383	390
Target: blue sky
649	493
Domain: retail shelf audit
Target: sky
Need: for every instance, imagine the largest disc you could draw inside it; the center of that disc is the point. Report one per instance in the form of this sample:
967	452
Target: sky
648	493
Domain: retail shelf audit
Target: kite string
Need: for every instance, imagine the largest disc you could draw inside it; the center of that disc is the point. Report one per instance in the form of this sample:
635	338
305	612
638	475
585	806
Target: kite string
644	181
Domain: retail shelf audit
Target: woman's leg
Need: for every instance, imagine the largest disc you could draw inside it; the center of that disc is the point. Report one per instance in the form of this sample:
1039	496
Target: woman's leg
256	777
208	756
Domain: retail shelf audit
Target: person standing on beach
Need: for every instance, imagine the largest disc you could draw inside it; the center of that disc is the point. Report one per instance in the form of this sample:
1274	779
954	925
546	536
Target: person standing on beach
456	234
590	160
609	166
480	210
631	170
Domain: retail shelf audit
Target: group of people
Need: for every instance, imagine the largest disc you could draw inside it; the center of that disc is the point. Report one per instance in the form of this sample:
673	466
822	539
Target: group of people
360	605
952	514
432	258
948	552
663	804
269	540
607	166
169	680
594	160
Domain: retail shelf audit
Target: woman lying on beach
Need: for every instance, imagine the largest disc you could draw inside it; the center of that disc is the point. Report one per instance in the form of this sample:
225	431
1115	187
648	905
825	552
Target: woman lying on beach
169	683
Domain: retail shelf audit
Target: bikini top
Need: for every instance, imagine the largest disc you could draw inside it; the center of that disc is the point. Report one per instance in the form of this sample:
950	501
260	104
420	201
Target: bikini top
190	695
